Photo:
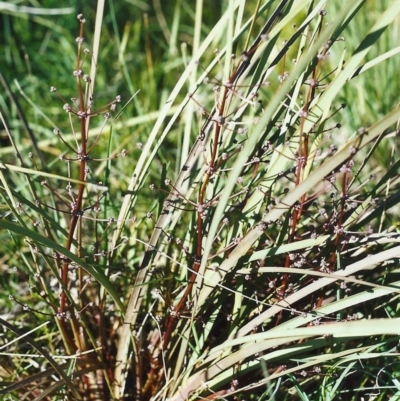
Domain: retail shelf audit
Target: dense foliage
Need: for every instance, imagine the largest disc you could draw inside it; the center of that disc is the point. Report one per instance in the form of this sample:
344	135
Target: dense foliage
199	200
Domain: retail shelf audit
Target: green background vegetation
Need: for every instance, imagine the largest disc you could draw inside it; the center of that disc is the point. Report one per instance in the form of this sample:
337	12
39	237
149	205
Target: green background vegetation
332	343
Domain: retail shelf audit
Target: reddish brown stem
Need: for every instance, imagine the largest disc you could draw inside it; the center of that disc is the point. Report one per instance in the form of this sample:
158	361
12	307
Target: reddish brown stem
76	211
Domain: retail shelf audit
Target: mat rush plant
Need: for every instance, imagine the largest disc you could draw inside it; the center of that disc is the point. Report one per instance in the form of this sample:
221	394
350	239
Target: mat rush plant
252	254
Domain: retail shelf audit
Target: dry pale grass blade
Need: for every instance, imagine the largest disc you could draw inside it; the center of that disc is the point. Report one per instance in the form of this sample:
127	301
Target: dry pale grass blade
18	10
375	62
312	273
36	173
95	52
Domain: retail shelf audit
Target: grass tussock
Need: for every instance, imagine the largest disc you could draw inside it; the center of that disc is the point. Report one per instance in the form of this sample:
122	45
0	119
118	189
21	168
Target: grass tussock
203	204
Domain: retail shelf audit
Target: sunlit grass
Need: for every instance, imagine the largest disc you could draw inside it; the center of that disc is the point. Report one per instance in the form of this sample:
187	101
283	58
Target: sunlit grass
230	232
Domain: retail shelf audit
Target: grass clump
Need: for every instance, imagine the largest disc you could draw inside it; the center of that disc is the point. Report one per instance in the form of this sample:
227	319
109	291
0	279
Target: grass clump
227	232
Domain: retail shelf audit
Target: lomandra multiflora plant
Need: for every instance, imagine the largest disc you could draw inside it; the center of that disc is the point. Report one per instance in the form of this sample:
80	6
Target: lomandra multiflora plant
270	259
67	234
